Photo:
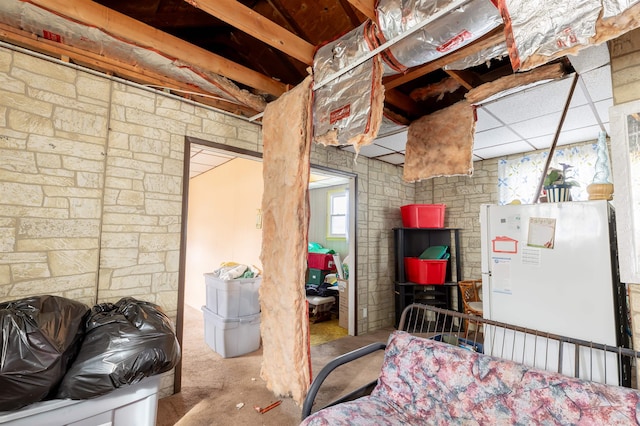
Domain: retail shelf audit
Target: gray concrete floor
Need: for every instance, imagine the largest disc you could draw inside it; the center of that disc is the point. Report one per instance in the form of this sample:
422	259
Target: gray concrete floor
214	387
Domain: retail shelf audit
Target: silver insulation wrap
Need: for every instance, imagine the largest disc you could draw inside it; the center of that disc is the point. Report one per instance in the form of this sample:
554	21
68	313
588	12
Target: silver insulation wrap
36	20
482	57
616	7
544	28
344	105
336	55
463	25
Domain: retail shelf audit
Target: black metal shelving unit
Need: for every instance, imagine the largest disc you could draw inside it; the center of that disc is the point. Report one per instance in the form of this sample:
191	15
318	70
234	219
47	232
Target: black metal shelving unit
411	242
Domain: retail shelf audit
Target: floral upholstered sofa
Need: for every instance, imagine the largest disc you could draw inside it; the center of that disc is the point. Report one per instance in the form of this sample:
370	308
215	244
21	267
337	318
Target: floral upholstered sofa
426	382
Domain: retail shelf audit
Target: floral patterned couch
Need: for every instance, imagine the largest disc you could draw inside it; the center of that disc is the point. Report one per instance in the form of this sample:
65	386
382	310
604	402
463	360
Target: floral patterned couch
427	382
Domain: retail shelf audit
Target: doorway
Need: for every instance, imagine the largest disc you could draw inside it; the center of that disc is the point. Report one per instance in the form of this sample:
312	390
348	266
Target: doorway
222	220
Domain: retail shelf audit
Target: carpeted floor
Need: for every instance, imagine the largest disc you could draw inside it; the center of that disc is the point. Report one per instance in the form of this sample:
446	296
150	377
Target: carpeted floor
224	391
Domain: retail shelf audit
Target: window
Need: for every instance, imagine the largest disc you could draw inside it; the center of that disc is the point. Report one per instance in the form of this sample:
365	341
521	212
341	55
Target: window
338	214
518	177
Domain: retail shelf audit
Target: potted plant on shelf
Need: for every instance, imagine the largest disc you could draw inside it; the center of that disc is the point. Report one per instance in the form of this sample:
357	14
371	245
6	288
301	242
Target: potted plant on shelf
557	185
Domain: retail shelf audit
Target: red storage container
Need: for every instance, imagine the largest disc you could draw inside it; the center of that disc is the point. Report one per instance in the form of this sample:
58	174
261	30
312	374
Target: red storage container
423	215
425	271
321	261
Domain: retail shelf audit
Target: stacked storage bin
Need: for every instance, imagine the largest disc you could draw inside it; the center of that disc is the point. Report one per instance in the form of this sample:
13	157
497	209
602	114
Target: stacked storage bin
232	315
320	265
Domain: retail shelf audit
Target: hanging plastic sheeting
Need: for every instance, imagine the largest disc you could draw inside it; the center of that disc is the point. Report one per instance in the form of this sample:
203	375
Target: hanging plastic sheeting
348	109
124	343
49	25
463	25
40	336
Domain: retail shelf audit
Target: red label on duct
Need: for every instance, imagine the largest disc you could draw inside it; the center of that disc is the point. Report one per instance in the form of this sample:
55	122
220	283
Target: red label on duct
52	36
456	40
340	113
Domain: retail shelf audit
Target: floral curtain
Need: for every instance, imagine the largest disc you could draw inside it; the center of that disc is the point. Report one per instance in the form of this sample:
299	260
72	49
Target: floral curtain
518	177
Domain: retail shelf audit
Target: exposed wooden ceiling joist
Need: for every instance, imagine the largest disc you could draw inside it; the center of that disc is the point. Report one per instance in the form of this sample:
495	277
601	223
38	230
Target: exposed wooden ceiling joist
247	20
346	6
126	28
467	79
367	7
124	70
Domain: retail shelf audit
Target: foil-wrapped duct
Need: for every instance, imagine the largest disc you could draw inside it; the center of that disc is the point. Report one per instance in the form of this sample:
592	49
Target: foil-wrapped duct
616	7
545	28
453	30
38	20
343	107
484	56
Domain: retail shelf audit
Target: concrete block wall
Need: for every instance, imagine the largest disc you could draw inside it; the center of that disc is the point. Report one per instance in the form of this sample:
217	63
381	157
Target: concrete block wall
625	76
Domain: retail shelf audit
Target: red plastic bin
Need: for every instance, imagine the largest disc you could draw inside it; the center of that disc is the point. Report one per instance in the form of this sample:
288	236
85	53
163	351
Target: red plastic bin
321	261
425	271
423	215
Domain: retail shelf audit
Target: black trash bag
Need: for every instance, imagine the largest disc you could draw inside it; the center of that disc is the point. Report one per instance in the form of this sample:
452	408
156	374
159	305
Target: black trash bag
40	337
124	343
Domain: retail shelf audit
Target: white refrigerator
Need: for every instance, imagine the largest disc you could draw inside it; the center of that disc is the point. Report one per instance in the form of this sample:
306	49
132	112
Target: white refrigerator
553	267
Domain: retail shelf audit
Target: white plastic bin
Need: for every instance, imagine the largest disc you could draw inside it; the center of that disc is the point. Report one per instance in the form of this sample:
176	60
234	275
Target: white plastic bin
231	337
232	298
134	404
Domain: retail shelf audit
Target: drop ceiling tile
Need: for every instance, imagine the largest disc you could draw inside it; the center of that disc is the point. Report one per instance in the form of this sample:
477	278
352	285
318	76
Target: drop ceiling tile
540	100
578	118
396	142
494	137
395	158
370	151
486	121
502	150
598	82
541	142
590	58
584	134
537	126
603	109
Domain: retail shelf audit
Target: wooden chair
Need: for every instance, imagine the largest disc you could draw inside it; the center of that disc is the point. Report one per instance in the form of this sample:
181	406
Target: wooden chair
471	302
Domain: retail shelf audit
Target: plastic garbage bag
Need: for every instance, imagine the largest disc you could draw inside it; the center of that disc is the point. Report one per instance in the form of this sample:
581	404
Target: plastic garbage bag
124	343
40	337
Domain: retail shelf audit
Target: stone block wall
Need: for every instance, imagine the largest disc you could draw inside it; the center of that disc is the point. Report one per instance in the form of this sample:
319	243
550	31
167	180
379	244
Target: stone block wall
463	196
91	183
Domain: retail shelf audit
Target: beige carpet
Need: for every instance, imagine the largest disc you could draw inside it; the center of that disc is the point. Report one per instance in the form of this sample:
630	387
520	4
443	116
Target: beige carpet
213	387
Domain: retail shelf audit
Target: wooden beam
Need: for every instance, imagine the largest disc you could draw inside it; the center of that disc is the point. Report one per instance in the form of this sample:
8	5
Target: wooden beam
467	79
123	27
135	73
402	101
494	37
348	10
367	7
247	20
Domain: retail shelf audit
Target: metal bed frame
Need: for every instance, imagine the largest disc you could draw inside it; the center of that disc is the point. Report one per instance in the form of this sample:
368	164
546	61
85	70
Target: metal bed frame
593	361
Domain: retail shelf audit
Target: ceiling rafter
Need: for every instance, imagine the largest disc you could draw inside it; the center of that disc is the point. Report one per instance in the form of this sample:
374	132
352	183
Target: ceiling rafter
353	18
286	17
247	20
367	7
127	28
467	79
